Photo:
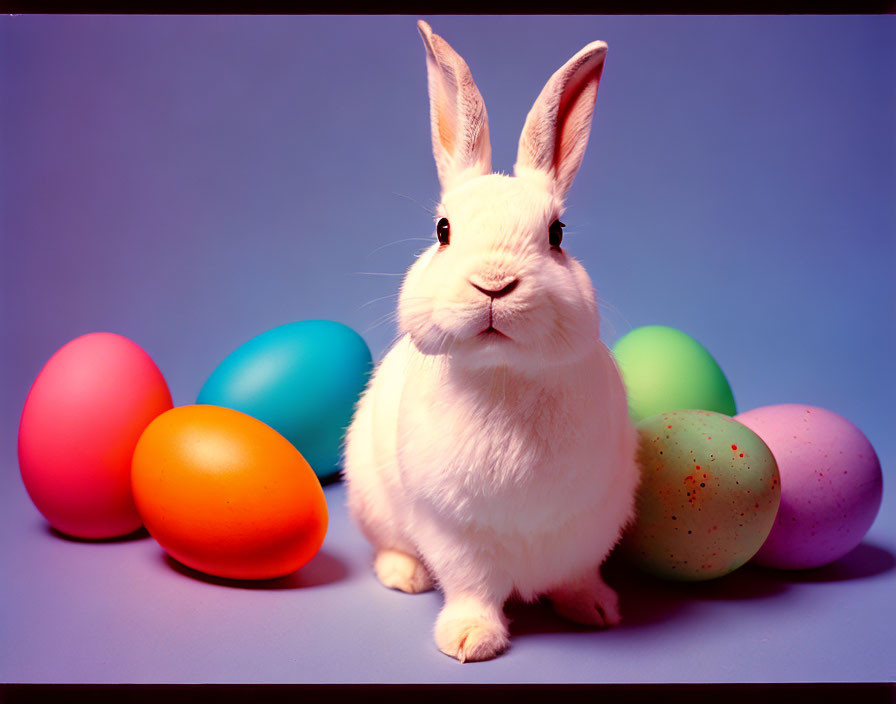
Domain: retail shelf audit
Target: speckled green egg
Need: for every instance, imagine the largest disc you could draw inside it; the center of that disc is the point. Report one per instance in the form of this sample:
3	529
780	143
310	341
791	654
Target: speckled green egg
665	369
708	496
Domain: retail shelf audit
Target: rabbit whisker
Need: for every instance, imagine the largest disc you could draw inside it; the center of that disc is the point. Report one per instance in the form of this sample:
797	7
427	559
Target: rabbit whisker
414	200
382	320
406	239
605	304
375	300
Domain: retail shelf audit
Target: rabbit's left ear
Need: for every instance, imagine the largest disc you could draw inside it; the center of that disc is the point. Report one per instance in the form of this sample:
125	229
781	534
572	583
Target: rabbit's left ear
460	141
556	130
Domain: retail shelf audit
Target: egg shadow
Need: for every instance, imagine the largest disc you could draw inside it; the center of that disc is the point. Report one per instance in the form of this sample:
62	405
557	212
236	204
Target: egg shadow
323	569
335	478
139	534
864	561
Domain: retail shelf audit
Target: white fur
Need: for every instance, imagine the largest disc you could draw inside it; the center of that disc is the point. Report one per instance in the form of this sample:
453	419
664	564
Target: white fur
504	465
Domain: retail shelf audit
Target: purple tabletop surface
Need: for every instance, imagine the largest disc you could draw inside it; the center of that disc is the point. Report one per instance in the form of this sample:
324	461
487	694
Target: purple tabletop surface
191	182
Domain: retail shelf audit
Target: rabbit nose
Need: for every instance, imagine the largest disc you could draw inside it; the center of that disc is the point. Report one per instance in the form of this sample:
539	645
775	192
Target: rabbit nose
496	289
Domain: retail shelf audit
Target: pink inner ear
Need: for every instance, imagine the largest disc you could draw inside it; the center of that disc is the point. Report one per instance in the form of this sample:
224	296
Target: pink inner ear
574	119
574	122
557	127
446	133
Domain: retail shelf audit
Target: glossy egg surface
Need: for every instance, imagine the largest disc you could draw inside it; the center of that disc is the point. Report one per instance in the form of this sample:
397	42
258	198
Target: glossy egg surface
303	379
79	426
226	494
665	369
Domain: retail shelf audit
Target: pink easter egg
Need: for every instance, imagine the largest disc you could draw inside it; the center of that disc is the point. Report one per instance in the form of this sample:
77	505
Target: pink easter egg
79	427
831	484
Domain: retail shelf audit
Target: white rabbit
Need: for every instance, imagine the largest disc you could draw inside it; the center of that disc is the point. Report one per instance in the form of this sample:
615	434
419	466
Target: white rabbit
492	452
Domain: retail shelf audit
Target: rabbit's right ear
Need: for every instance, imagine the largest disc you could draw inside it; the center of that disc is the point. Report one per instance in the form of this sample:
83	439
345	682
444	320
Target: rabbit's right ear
460	142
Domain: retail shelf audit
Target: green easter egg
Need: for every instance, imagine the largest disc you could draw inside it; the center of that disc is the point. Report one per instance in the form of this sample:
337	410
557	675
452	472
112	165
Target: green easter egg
664	370
708	496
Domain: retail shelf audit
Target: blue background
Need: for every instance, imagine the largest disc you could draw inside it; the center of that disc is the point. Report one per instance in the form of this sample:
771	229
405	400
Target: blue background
190	182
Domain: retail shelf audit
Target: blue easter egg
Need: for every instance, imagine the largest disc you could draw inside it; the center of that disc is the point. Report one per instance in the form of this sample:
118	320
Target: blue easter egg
302	379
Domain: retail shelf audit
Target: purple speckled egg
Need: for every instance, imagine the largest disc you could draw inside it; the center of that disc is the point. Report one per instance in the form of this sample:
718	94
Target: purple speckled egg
831	484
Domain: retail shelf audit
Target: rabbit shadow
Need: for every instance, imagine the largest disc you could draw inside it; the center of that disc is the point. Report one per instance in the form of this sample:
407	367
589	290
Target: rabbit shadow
323	569
647	600
539	618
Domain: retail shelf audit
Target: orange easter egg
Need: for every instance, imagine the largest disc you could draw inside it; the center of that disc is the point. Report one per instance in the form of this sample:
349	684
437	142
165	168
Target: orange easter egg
226	494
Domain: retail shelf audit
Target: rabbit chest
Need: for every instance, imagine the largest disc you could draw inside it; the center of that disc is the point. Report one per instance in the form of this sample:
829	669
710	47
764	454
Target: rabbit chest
498	452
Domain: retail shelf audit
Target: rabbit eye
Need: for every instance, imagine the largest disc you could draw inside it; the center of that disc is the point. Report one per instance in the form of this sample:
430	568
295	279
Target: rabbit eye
555	233
443	230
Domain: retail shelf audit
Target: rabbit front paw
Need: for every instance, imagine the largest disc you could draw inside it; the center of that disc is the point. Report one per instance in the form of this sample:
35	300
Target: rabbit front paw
468	631
398	570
